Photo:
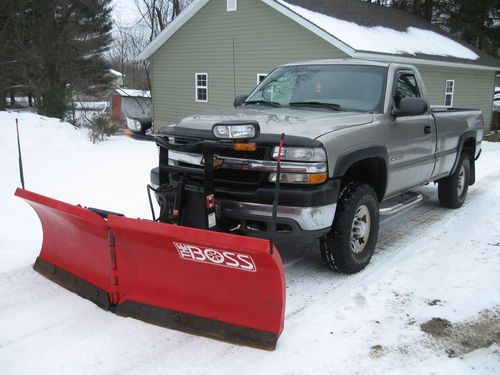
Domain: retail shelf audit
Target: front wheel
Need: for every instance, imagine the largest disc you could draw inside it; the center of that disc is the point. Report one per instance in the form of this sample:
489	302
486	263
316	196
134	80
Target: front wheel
349	246
452	190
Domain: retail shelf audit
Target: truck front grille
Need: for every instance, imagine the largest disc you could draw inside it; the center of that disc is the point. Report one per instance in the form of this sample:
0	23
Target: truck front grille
232	177
261	153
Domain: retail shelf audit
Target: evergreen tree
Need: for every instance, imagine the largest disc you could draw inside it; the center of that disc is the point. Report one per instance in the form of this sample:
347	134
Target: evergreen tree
475	21
422	8
61	46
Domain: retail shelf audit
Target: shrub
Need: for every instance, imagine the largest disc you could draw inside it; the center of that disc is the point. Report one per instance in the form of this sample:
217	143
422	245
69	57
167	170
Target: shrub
102	126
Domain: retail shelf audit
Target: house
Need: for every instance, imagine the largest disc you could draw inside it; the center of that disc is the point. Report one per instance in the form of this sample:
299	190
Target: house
217	49
129	103
115	77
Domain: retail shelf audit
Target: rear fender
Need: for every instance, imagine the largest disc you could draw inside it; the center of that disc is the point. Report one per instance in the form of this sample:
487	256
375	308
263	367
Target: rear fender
471	134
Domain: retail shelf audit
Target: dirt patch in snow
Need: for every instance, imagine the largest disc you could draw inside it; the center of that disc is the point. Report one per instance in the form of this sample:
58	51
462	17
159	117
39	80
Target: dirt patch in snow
455	339
463	337
436	327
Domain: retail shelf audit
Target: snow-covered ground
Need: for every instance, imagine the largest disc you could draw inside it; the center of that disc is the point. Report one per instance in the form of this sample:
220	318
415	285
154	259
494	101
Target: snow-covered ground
428	303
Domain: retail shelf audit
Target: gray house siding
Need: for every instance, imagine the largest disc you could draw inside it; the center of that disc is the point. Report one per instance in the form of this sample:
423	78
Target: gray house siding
473	88
263	39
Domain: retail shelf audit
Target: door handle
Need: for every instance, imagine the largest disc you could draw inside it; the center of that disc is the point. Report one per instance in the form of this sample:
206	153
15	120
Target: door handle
427	129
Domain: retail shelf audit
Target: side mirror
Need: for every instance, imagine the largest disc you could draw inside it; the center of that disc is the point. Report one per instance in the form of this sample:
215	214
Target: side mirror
146	123
239	100
410	107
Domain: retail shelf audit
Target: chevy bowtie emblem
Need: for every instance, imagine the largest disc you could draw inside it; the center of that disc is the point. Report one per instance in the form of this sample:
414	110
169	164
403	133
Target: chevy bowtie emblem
217	162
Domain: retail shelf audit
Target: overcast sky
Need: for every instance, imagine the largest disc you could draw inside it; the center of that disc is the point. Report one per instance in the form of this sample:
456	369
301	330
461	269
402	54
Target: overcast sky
125	12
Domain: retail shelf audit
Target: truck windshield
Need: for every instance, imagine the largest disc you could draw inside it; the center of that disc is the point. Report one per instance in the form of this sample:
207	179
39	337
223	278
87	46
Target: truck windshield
334	87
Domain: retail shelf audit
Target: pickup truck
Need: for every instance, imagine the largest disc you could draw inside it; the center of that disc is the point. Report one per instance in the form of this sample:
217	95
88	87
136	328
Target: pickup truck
358	134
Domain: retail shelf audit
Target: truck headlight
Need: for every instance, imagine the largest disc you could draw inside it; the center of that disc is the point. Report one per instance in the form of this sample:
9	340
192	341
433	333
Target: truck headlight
300	153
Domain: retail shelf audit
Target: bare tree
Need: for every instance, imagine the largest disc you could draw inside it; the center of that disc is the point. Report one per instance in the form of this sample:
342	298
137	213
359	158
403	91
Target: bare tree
157	14
129	41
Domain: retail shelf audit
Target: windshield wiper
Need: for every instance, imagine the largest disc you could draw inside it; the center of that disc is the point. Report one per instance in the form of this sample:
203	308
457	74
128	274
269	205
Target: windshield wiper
265	102
333	106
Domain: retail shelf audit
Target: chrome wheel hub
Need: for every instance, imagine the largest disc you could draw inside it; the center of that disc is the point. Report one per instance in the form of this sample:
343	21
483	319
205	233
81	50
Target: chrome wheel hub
360	231
461	181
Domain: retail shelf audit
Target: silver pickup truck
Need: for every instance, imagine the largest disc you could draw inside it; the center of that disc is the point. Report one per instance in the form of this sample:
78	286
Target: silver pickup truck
359	137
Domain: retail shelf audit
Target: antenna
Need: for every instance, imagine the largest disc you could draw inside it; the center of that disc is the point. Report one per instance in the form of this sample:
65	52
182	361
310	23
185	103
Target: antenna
276	193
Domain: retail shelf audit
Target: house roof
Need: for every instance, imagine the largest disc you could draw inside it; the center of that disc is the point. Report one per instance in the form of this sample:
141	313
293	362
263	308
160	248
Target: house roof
363	30
132	93
115	73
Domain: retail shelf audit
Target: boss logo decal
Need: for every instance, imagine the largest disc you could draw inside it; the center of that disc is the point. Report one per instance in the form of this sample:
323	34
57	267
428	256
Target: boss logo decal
216	257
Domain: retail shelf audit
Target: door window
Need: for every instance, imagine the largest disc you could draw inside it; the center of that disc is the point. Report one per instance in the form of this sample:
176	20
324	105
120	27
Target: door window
406	87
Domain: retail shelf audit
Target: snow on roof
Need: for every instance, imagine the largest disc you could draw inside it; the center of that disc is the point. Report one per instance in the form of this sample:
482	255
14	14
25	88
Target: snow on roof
115	72
133	93
385	40
362	30
90	105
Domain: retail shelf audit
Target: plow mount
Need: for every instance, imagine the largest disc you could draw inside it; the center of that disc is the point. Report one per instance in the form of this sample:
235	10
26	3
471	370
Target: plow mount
209	283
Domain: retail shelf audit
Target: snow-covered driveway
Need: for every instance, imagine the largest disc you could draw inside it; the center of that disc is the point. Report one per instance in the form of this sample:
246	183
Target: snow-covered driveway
435	270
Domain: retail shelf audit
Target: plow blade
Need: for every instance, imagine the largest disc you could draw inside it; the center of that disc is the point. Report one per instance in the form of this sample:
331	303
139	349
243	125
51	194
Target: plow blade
213	284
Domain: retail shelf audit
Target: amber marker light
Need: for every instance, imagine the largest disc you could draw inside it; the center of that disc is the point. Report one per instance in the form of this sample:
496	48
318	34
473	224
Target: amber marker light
128	133
316	178
244	146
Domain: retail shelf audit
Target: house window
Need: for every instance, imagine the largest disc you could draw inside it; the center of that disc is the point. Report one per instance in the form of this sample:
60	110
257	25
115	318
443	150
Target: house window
448	93
261	77
201	82
232	5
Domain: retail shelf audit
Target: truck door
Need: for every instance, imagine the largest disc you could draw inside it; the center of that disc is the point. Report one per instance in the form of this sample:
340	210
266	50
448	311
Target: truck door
411	139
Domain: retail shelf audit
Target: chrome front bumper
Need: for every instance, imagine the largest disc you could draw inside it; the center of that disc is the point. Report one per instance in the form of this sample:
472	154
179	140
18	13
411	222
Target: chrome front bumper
307	218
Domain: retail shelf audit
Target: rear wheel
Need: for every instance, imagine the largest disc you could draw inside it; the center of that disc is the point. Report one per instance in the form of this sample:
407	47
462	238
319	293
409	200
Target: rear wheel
452	190
349	246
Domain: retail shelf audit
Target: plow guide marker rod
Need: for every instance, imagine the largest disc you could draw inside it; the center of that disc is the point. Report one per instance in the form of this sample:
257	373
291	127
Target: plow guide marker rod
276	192
21	172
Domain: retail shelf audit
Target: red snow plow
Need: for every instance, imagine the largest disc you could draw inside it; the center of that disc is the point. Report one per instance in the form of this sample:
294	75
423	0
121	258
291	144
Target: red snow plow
186	274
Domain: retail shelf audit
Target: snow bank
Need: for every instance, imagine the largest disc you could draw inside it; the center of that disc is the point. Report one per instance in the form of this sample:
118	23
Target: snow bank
385	40
61	162
40	132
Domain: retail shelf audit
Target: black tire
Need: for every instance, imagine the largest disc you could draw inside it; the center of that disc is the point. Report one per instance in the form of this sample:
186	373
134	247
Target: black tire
452	190
340	248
